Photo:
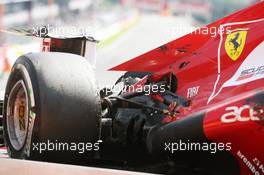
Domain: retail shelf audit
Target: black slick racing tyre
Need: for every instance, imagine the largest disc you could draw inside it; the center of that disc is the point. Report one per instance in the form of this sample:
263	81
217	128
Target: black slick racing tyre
51	99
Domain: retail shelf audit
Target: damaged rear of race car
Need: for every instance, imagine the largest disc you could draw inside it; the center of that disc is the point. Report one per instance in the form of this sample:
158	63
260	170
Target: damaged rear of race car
191	106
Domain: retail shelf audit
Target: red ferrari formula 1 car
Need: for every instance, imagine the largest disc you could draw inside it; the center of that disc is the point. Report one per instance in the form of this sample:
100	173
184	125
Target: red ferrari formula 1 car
191	106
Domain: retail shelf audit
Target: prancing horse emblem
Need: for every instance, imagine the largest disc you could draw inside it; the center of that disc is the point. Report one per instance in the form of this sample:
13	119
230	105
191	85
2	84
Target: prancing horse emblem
235	43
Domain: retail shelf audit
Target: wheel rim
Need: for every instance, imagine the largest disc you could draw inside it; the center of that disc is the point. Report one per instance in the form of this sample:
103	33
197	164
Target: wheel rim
17	115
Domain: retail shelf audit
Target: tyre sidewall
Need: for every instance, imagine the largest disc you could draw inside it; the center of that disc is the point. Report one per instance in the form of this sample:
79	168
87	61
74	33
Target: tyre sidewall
22	70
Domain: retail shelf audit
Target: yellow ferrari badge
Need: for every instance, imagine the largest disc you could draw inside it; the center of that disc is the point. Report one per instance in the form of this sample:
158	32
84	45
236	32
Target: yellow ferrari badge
235	43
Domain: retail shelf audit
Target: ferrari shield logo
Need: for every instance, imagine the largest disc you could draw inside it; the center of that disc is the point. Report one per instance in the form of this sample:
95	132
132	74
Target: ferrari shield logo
235	43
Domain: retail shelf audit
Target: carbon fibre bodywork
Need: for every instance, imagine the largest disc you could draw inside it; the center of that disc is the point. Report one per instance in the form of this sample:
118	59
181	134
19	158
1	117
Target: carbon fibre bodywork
222	76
